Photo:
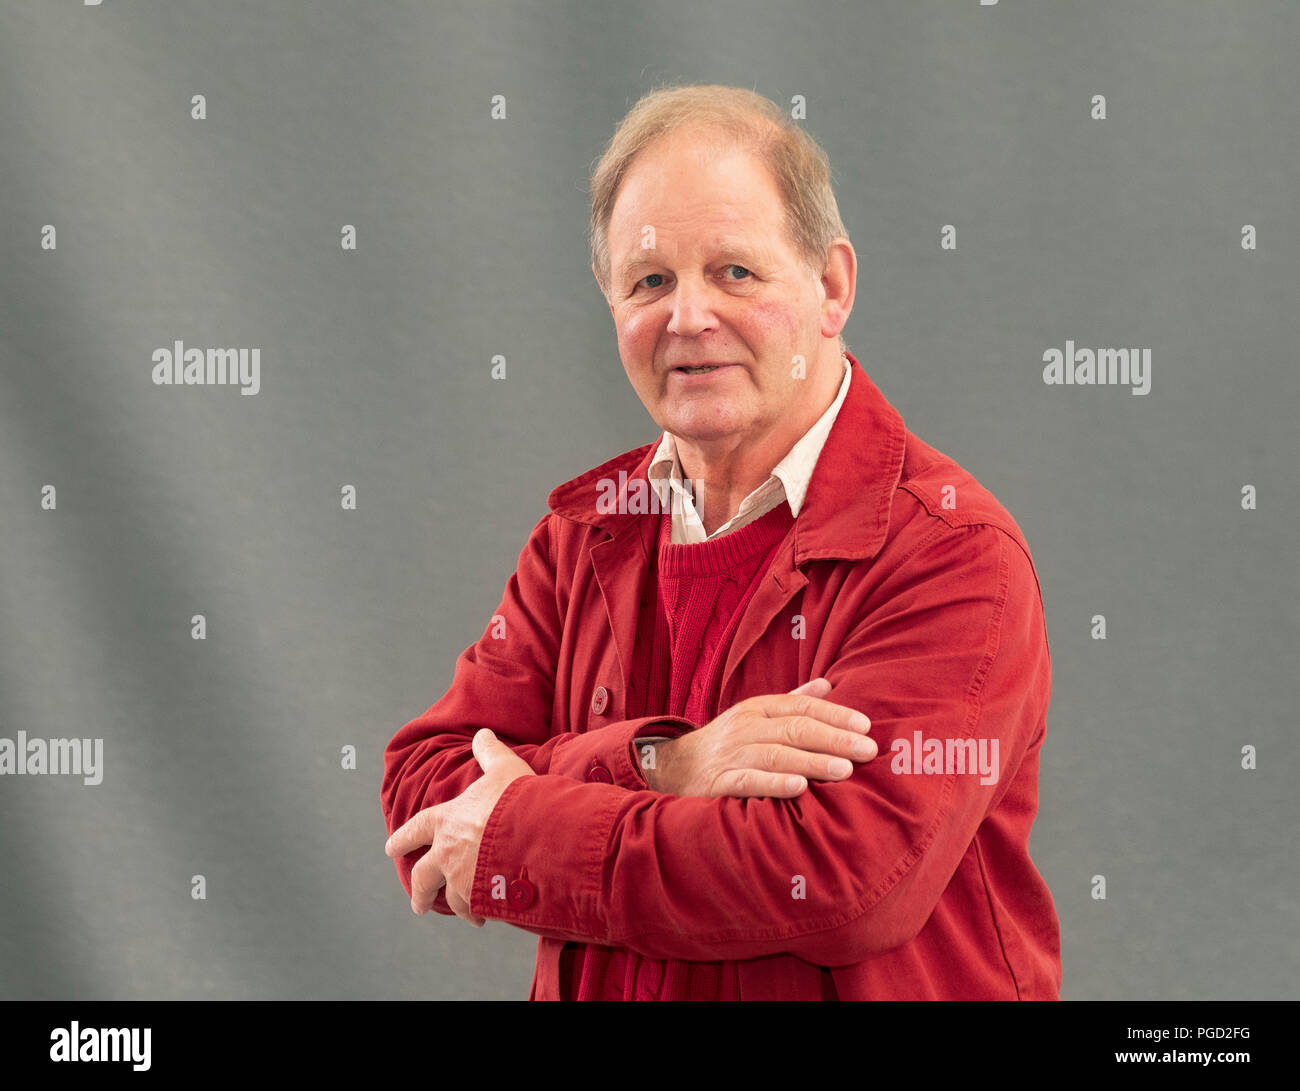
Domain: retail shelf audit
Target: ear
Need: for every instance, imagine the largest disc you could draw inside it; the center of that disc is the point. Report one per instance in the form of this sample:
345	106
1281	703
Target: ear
840	284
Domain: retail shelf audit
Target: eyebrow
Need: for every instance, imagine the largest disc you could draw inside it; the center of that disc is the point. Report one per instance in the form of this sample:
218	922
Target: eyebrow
724	248
633	263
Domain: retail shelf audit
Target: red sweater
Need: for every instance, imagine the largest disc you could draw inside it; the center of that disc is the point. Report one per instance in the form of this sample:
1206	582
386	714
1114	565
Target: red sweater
695	597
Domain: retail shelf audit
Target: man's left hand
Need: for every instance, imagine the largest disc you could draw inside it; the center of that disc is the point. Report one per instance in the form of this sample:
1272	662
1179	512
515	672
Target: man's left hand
453	830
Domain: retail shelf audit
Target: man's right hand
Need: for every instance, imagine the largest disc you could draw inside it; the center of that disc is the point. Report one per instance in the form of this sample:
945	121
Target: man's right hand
765	746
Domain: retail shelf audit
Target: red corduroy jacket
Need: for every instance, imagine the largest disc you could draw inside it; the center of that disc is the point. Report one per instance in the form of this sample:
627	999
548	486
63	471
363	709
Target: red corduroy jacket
908	586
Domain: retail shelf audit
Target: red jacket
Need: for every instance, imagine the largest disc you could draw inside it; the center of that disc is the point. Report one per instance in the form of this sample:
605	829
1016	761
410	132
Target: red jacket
903	582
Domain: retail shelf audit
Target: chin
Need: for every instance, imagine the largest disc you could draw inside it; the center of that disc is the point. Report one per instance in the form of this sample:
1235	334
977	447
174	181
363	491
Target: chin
702	423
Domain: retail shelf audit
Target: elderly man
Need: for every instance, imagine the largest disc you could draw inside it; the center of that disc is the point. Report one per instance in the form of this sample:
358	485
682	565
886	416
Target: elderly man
657	757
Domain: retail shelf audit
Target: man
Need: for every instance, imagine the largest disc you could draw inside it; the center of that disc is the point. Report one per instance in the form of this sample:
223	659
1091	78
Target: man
657	758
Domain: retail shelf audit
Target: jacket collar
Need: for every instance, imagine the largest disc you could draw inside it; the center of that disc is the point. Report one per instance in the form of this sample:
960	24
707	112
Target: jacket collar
845	513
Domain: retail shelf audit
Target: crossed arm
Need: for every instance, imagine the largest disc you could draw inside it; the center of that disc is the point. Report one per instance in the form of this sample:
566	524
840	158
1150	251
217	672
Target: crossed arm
766	746
834	872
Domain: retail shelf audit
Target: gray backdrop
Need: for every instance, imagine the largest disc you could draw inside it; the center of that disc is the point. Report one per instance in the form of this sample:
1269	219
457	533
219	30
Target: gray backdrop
329	628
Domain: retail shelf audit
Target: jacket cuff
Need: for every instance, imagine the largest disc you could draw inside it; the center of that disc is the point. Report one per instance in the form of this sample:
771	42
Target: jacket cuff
549	884
609	755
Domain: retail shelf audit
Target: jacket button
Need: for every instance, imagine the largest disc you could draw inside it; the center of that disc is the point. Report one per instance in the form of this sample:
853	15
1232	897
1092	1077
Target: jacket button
600	774
520	893
600	700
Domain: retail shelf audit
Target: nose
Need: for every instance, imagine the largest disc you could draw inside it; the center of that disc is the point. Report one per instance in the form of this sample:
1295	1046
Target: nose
692	313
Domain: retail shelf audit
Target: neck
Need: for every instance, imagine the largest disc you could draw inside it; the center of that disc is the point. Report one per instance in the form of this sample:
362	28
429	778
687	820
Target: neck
729	469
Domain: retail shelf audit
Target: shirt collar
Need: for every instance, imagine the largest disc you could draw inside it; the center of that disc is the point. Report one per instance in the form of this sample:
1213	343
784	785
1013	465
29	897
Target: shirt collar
845	514
792	474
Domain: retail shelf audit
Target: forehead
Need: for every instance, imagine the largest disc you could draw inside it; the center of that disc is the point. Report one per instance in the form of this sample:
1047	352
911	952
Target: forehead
689	184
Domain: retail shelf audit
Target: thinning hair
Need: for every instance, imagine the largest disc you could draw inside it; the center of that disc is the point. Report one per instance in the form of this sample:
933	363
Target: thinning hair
735	118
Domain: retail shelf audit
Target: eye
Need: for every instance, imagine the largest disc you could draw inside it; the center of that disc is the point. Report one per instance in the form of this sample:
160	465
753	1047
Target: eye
646	280
741	268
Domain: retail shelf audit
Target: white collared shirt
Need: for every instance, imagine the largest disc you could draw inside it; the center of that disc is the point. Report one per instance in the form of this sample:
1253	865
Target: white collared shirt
788	481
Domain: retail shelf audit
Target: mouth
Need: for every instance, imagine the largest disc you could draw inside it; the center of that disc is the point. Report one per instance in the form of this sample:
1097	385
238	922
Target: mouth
698	369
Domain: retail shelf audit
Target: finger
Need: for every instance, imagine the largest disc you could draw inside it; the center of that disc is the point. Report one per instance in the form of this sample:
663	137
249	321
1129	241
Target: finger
412	834
797	761
427	879
489	751
814	737
818	708
818	687
751	783
460	907
485	747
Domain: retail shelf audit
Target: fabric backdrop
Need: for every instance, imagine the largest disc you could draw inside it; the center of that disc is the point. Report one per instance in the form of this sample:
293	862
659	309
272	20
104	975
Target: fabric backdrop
229	588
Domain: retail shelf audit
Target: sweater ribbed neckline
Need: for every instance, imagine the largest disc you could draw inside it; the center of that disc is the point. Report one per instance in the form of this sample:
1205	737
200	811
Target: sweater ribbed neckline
722	555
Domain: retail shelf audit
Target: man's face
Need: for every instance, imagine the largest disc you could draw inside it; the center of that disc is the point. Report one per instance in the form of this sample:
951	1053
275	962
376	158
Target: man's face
722	284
